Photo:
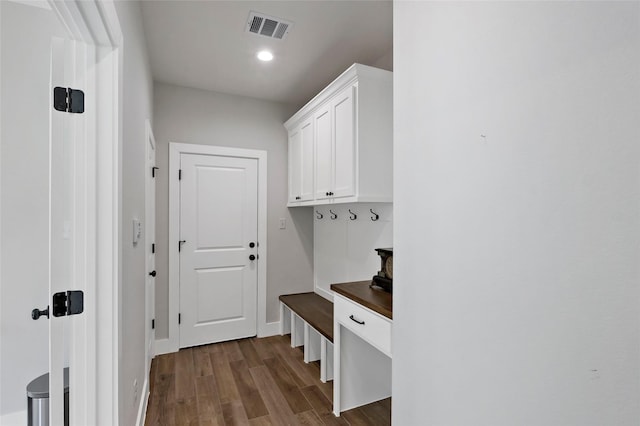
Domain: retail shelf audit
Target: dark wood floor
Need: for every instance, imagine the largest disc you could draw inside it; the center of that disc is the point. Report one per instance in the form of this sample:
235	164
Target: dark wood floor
247	382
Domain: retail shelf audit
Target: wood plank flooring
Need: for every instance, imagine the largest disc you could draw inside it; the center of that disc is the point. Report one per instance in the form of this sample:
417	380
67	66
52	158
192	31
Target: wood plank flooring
247	382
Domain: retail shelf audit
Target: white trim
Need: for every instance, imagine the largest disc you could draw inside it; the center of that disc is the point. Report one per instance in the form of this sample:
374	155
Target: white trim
162	347
175	150
270	329
324	293
149	228
349	76
96	24
144	402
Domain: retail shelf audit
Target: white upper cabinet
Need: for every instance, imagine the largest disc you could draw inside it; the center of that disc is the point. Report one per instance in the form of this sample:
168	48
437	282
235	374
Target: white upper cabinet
344	143
301	156
347	155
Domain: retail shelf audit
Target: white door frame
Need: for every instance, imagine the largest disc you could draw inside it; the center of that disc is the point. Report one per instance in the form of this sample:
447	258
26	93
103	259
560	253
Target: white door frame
149	230
96	24
175	151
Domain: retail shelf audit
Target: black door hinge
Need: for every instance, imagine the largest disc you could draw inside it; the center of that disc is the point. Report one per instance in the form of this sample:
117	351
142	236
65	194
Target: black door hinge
153	324
153	247
153	171
180	174
68	303
68	100
179	318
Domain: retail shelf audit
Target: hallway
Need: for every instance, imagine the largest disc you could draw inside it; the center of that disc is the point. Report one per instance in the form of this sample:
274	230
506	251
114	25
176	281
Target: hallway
247	382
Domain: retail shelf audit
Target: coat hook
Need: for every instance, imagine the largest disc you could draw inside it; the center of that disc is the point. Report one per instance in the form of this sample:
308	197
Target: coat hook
319	215
333	215
375	216
353	215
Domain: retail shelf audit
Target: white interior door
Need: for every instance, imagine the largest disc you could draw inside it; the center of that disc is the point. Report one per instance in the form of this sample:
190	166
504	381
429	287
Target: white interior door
218	255
150	244
67	238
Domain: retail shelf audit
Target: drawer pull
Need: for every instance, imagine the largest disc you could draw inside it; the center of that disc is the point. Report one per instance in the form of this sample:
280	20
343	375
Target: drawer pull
355	320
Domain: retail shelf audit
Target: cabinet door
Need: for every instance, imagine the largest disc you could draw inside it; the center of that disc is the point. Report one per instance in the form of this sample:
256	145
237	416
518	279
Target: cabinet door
324	152
306	161
344	118
295	165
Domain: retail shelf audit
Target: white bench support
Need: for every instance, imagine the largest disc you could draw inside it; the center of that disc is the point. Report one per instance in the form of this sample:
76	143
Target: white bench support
316	346
326	360
285	319
297	330
311	344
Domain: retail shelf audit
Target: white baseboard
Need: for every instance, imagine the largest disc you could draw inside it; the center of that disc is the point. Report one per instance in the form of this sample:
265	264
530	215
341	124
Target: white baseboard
17	418
270	329
144	401
162	347
324	293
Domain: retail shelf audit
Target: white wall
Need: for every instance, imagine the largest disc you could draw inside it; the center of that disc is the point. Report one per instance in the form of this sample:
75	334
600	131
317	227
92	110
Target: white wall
208	118
344	249
24	198
517	284
385	61
137	107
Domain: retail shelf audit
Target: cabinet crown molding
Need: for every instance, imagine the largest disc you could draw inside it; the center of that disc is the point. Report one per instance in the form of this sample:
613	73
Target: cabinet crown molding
343	80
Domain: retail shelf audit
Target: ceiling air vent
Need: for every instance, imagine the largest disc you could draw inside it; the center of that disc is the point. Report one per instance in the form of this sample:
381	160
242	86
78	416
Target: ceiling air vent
268	26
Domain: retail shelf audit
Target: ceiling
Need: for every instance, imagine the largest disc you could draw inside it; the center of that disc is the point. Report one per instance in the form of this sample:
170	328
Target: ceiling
204	45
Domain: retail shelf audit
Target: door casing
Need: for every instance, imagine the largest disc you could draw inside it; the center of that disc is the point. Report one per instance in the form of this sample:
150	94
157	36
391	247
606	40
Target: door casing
175	151
149	238
95	350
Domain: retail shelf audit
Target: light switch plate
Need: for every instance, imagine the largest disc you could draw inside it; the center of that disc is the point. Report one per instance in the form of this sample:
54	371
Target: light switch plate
137	230
283	223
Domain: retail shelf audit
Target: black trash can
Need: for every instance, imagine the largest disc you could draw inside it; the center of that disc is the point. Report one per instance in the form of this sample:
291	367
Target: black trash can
38	400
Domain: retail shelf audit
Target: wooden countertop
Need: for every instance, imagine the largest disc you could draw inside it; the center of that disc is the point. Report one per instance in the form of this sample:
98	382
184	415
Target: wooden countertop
375	299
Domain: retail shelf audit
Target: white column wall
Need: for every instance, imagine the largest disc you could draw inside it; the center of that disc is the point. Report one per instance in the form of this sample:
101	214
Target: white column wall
517	213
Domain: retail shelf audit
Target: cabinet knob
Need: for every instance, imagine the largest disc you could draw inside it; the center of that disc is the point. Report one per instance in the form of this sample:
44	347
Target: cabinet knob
152	273
252	257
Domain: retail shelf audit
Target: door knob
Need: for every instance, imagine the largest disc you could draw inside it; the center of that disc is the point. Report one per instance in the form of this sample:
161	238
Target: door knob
37	313
252	257
152	273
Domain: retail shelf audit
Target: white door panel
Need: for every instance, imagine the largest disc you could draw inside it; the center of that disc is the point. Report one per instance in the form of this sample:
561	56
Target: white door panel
344	118
306	174
295	167
324	153
218	221
219	294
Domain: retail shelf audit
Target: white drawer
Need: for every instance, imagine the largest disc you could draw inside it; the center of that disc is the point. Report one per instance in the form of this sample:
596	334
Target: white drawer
376	328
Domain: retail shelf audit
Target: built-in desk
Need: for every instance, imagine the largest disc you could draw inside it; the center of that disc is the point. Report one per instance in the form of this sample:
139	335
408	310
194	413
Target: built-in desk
362	345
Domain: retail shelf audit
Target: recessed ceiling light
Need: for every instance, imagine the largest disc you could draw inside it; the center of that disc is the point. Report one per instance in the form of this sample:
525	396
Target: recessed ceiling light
265	55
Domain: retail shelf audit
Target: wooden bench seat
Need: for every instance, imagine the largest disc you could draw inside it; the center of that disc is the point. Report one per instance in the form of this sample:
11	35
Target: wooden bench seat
314	309
309	319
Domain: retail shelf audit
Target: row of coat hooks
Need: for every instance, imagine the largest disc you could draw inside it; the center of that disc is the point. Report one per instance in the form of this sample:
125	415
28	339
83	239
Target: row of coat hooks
352	215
